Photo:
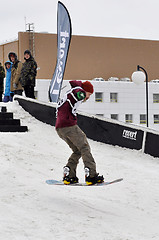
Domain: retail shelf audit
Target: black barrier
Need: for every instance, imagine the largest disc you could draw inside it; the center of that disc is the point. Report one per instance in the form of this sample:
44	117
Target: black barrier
44	113
111	133
152	144
95	128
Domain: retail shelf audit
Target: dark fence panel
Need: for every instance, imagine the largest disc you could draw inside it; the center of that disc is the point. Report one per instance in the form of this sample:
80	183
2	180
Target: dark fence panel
44	113
152	144
111	133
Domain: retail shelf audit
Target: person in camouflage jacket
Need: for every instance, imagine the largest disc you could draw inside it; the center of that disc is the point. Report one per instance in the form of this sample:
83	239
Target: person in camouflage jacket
28	74
2	76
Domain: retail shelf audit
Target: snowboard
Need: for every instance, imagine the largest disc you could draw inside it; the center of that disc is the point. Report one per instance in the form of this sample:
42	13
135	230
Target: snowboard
56	182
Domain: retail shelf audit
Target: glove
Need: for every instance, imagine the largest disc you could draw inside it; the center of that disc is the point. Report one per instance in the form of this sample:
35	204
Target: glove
81	95
15	85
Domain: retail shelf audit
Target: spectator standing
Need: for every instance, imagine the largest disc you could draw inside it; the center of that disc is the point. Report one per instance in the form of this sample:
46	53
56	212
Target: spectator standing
2	76
28	74
8	95
16	86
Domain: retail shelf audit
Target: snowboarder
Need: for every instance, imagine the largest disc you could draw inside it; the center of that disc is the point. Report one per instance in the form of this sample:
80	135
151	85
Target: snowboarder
69	131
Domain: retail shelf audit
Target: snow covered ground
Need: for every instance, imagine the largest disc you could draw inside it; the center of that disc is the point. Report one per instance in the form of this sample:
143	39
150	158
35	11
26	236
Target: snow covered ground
32	210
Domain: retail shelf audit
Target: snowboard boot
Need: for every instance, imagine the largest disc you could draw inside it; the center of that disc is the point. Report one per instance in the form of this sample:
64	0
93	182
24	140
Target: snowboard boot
92	180
67	179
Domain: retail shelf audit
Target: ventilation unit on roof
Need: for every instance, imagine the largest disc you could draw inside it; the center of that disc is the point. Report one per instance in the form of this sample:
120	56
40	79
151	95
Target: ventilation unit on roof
155	81
113	79
125	79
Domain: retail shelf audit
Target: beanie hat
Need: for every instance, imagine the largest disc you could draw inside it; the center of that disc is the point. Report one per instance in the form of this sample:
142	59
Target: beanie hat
87	86
27	52
12	54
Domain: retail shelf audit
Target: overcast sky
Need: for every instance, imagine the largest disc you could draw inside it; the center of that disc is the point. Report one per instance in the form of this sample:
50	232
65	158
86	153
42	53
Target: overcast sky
108	18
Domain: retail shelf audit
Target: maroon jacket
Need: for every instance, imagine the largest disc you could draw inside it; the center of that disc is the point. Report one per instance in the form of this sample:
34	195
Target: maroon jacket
65	118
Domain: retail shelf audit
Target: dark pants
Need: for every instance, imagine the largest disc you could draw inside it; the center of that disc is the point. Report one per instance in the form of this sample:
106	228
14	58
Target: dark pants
18	92
29	91
1	96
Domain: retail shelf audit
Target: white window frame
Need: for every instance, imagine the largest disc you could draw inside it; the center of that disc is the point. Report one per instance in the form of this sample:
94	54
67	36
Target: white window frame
128	118
100	114
143	119
98	98
156	118
116	116
155	97
113	97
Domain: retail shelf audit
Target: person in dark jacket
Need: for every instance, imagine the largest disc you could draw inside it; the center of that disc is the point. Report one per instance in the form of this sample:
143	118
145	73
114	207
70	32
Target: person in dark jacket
15	86
2	76
28	74
68	130
8	95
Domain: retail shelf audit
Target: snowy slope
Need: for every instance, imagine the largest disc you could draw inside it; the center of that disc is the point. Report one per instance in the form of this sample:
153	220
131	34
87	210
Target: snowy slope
32	210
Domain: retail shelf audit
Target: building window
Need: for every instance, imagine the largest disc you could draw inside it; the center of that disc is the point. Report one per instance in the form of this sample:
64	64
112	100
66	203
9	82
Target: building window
113	97
36	94
99	97
128	118
114	116
142	118
100	115
156	119
155	98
